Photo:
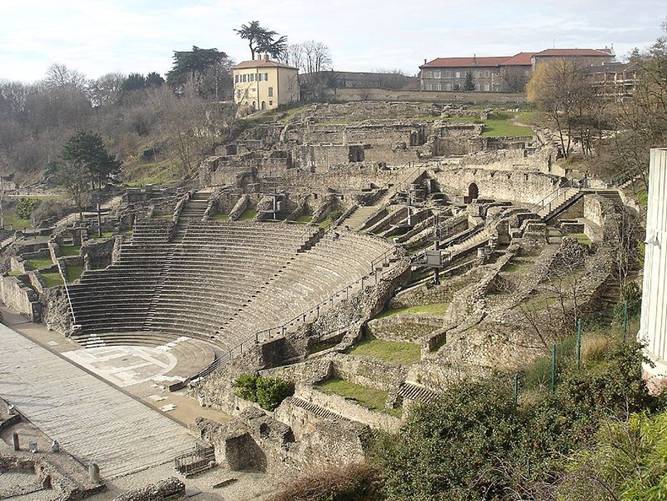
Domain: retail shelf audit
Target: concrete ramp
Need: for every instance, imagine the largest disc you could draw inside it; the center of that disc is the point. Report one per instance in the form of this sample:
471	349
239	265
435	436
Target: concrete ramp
92	420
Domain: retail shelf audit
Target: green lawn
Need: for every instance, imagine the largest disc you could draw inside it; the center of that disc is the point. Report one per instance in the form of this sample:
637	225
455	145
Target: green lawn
73	272
38	264
368	397
504	127
430	309
70	250
248	215
52	279
221	217
394	352
326	224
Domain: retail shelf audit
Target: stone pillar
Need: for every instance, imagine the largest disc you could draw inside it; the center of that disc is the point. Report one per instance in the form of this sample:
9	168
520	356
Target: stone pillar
653	330
15	441
94	473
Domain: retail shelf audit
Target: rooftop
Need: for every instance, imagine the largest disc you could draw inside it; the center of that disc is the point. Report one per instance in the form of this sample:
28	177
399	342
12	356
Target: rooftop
575	52
262	63
459	62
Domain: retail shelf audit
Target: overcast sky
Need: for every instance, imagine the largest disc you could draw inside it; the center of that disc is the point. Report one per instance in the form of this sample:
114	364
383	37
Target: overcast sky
102	36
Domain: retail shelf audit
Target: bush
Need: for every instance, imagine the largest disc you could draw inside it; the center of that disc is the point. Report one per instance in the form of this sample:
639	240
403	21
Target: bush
628	460
245	386
474	443
265	391
354	482
272	391
25	206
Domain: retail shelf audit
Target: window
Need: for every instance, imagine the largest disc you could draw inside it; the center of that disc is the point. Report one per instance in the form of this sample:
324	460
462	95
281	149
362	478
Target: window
252	77
266	77
458	74
270	91
436	74
270	103
243	78
236	79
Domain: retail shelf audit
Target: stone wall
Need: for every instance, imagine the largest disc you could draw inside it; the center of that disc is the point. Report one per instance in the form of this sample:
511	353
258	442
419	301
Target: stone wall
348	408
367	371
98	254
20	298
519	187
425	96
169	488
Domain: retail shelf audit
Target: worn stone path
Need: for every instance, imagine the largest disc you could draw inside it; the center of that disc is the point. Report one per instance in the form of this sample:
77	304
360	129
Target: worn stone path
92	420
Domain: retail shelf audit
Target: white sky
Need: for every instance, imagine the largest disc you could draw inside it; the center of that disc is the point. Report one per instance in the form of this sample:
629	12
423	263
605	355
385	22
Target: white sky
102	36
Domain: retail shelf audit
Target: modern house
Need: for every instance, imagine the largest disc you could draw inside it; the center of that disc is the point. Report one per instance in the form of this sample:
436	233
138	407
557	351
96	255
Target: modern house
499	73
263	84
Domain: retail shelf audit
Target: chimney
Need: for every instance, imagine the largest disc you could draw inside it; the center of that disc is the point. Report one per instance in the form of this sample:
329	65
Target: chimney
424	61
266	57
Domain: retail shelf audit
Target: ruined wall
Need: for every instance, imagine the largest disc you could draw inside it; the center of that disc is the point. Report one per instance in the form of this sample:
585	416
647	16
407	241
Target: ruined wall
426	97
19	297
519	187
368	371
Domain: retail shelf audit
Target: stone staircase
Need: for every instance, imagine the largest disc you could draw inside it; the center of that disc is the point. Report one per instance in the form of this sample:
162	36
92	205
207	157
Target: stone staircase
314	409
418	393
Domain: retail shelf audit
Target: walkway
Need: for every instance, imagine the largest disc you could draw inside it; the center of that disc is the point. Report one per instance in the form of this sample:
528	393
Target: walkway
92	420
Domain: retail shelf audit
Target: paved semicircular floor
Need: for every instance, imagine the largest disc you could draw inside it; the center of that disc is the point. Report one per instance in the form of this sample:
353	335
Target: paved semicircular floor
91	419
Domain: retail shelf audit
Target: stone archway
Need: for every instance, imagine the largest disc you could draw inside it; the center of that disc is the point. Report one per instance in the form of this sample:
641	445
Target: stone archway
473	193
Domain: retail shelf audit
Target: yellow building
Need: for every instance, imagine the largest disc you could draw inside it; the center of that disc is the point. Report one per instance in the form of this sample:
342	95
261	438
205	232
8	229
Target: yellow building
263	84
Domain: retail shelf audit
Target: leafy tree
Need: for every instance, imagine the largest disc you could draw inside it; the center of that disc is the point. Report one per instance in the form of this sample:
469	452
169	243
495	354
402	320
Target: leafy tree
469	83
87	151
262	40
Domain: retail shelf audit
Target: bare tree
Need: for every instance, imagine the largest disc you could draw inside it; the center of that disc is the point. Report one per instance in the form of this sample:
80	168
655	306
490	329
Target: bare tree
310	56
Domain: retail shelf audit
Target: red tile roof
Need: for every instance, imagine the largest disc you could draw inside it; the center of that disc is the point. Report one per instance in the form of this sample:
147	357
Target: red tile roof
575	52
520	59
261	63
465	62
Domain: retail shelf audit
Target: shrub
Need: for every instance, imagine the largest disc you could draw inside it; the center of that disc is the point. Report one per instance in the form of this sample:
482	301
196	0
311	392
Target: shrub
353	482
245	386
474	443
267	392
272	391
25	206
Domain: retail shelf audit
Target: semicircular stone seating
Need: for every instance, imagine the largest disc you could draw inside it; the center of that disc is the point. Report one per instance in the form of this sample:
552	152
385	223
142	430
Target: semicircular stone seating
219	281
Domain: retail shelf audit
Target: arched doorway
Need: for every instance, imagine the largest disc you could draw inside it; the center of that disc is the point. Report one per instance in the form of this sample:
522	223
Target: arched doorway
473	193
263	105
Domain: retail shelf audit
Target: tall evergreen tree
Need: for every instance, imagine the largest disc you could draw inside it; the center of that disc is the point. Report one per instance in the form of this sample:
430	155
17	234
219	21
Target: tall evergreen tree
86	149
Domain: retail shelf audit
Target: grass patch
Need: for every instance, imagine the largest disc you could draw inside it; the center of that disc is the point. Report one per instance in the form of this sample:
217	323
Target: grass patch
15	273
70	250
504	127
12	220
73	272
304	219
394	352
221	217
582	238
39	264
52	279
363	395
161	173
437	309
248	215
